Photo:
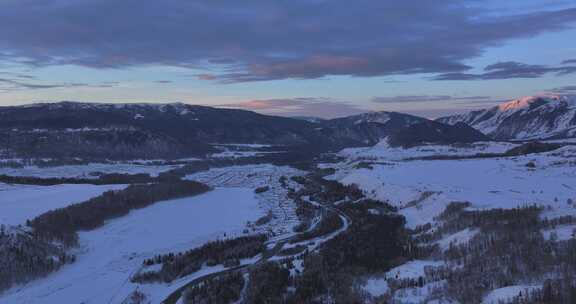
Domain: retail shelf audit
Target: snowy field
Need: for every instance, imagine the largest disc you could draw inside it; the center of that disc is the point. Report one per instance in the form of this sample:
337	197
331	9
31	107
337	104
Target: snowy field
274	200
423	188
502	295
383	152
110	254
238	154
376	287
412	269
21	202
84	171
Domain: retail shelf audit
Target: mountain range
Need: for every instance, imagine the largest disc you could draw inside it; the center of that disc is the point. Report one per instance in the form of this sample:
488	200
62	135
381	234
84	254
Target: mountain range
527	118
176	130
95	130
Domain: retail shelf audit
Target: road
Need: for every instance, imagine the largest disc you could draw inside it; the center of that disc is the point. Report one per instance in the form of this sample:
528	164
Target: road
346	221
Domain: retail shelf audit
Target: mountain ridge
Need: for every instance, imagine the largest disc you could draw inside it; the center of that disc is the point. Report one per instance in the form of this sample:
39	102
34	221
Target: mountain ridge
175	130
526	118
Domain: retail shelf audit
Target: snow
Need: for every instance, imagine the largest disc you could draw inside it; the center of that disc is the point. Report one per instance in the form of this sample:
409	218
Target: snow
315	243
21	202
559	111
564	140
507	293
422	188
238	154
372	117
486	183
110	254
562	233
274	200
134	107
458	238
412	270
243	145
417	295
514	105
383	152
298	265
376	287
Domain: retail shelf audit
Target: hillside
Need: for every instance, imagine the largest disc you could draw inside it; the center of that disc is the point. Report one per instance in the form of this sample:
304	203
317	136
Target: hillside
435	132
533	117
148	131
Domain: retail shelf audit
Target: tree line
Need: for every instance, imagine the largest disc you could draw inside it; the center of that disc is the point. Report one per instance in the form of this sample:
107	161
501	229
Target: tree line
177	265
63	223
104	179
23	257
508	248
29	254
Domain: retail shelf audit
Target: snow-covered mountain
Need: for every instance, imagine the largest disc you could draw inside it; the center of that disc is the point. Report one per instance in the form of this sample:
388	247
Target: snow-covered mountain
176	130
402	129
532	117
371	127
311	119
380	117
143	130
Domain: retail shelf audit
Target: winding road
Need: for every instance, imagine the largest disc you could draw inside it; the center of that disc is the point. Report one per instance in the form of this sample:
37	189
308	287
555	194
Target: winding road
267	255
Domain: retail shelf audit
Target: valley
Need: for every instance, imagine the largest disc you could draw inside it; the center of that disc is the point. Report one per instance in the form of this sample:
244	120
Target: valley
287	152
408	217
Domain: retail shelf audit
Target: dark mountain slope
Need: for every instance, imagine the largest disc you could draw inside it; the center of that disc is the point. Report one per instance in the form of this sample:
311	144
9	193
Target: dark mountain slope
144	130
131	131
370	127
434	132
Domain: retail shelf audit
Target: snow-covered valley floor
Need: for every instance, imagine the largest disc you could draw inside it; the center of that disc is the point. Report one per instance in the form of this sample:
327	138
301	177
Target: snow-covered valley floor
110	254
19	203
274	200
422	189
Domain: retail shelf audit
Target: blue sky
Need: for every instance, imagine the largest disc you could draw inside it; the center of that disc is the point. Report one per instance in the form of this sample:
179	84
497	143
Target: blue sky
300	57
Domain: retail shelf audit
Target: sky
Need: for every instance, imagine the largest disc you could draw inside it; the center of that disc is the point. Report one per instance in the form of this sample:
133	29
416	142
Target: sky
325	58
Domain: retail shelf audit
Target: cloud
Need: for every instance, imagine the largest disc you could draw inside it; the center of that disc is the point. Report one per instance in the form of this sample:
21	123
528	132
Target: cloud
206	77
317	107
8	85
433	106
18	75
163	81
107	84
427	98
567	90
569	61
258	40
509	70
330	108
